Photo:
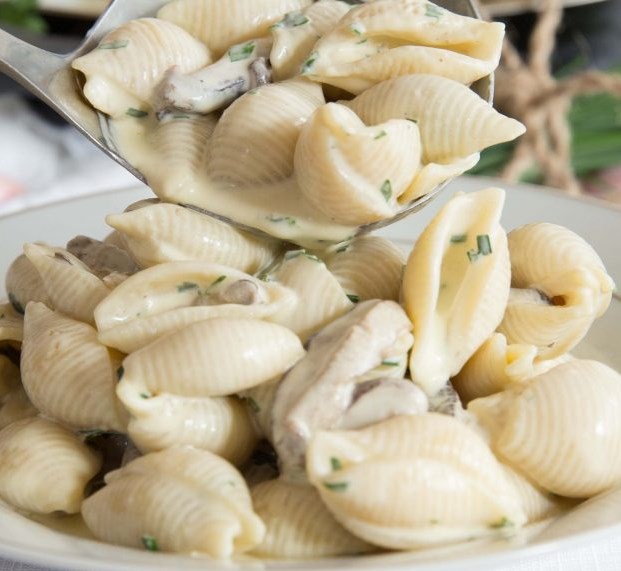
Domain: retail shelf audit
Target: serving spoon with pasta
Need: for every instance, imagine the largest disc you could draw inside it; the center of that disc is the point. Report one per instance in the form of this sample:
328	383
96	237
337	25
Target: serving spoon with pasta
50	77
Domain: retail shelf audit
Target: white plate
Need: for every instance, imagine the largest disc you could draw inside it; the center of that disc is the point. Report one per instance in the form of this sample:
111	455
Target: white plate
25	540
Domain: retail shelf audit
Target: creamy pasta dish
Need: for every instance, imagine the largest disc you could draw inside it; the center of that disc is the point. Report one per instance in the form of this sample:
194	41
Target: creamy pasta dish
188	386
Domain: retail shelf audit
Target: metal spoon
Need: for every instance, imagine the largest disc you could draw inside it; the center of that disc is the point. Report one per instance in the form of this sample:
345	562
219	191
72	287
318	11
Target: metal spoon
49	76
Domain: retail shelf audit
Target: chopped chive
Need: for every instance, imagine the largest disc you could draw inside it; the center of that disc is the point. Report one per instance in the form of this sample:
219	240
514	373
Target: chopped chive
433	11
309	63
484	245
180	116
120	372
145	396
386	190
412	120
288	219
458	238
214	283
363	41
353	298
138	113
502	523
473	256
150	543
336	464
391	363
291	20
113	45
185	286
336	486
357	29
17	306
241	51
293	254
380	135
253	404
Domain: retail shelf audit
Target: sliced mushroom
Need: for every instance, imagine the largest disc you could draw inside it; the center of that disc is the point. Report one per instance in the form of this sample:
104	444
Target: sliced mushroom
377	400
102	258
320	388
241	69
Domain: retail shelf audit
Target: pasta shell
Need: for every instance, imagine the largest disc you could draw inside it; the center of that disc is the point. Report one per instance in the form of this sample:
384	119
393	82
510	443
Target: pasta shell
180	499
14	403
576	406
259	401
451	487
321	299
296	34
453	120
68	375
320	388
220	356
298	524
455	285
220	425
380	40
169	296
73	290
353	173
23	284
497	365
130	61
222	24
368	267
11	324
48	454
180	143
261	129
561	287
162	232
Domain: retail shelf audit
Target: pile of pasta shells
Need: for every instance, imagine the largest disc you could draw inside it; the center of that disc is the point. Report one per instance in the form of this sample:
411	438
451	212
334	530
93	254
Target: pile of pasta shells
190	387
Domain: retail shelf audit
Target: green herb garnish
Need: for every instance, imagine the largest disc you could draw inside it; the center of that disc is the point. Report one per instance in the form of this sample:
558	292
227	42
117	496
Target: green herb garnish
186	286
150	543
145	396
386	190
458	238
380	135
213	284
415	121
291	20
288	219
357	29
353	298
433	11
309	63
390	363
138	113
293	254
342	249
113	45
336	486
502	523
336	464
241	51
253	404
484	248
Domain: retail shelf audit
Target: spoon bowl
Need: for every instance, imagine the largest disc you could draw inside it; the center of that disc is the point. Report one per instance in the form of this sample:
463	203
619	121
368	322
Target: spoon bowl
50	77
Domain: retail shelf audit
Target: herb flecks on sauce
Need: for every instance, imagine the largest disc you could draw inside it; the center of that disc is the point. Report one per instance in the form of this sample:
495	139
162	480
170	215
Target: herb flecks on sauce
386	190
113	45
291	20
309	63
353	298
186	286
150	543
241	51
388	363
336	486
502	523
433	11
484	248
380	135
137	113
458	238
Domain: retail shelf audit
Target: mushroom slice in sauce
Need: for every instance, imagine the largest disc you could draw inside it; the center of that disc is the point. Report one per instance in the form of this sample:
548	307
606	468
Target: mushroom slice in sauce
319	389
380	399
102	258
241	69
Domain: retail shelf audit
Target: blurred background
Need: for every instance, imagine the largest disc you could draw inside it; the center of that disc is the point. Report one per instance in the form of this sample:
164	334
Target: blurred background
41	159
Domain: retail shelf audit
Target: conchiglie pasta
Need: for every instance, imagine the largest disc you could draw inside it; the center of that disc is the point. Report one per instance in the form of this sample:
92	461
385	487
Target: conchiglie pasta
220	356
221	425
261	128
181	499
161	232
497	365
132	59
169	296
352	173
560	287
387	38
450	485
296	34
320	297
298	524
221	24
453	120
71	287
23	284
368	267
576	406
53	470
455	285
68	374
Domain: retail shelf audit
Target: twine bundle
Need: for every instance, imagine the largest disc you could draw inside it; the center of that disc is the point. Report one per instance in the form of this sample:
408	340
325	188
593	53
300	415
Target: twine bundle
526	90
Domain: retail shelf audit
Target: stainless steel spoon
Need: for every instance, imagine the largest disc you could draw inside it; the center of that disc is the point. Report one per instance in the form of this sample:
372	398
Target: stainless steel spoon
49	76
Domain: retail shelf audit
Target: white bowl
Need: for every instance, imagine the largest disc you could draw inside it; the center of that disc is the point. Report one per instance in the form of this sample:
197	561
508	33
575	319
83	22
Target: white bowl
591	524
